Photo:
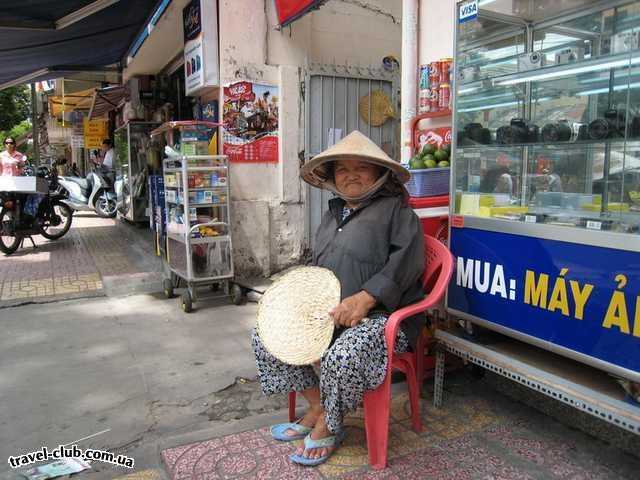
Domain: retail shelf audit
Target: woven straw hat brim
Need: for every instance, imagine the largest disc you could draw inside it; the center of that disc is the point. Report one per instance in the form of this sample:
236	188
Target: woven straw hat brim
293	323
353	146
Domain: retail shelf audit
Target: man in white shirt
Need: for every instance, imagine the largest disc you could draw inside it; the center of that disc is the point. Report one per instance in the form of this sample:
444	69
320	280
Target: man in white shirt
106	155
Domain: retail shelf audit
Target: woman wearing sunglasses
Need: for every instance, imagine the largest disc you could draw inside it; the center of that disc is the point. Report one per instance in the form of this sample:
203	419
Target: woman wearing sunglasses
11	160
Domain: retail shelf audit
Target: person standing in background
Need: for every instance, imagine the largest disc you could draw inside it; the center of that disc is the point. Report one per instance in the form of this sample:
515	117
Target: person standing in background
105	158
11	160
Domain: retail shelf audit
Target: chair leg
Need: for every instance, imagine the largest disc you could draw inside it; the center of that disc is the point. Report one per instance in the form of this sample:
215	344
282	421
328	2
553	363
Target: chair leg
420	347
292	406
377	405
414	398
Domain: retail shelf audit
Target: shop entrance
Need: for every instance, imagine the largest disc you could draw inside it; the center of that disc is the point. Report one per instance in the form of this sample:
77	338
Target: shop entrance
338	100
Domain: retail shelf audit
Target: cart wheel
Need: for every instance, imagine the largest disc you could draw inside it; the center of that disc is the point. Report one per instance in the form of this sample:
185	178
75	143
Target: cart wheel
167	286
186	303
237	294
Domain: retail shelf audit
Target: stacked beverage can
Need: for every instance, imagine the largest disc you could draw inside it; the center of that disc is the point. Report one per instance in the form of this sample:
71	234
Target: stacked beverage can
424	94
435	86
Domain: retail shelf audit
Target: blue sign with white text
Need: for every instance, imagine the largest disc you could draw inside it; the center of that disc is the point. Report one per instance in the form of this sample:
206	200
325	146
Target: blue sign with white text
580	297
468	11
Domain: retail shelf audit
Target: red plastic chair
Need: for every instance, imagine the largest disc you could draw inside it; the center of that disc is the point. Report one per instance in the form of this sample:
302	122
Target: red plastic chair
377	403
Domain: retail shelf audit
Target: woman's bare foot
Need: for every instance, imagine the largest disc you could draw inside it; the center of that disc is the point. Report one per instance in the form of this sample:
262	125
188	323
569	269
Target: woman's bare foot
320	430
308	420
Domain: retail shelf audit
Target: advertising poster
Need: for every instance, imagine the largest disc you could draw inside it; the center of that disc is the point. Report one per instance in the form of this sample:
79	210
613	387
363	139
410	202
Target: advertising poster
583	298
193	47
95	131
250	119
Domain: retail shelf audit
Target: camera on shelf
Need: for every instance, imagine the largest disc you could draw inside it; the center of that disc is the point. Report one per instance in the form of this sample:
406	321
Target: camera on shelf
625	42
469	74
473	134
569	55
518	131
635	127
559	131
611	126
530	61
579	131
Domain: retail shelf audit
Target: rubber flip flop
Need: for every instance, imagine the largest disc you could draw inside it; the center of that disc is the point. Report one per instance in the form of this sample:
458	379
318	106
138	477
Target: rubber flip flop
278	432
309	443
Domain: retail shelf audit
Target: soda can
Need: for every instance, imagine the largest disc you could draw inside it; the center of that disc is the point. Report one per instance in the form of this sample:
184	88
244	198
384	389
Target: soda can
444	96
446	66
434	74
424	77
434	99
424	101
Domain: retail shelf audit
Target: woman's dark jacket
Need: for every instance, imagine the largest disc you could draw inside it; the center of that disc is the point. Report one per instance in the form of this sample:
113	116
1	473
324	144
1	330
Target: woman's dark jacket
379	248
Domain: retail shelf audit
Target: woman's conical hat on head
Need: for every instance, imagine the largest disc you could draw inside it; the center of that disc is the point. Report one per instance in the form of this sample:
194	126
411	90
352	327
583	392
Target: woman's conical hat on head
355	146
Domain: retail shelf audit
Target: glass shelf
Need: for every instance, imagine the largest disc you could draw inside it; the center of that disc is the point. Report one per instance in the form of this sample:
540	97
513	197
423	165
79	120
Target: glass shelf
560	146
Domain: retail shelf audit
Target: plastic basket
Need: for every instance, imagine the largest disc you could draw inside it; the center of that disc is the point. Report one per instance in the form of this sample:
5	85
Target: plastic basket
428	182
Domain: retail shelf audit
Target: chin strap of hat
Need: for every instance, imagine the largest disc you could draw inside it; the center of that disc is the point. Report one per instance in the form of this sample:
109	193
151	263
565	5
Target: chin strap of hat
330	185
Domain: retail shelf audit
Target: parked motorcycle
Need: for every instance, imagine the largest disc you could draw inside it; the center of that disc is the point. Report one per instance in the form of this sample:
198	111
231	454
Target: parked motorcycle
93	193
52	220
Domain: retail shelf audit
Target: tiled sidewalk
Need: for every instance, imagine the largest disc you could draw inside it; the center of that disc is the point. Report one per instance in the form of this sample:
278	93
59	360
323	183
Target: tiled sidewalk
75	265
477	435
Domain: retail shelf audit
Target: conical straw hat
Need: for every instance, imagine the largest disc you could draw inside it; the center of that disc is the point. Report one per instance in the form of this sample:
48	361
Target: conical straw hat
354	146
294	323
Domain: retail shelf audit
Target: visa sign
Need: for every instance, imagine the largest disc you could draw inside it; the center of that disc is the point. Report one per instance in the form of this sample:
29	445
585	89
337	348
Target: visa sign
468	11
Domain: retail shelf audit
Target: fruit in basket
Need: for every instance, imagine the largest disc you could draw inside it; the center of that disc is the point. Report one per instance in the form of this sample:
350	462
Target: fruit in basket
416	163
447	148
430	162
443	164
441	155
428	149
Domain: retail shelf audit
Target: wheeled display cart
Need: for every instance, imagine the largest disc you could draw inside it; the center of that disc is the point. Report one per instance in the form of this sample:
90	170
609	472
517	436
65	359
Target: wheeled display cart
545	190
197	239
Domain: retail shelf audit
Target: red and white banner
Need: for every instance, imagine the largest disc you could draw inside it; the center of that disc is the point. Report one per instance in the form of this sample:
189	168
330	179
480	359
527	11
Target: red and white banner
250	117
290	10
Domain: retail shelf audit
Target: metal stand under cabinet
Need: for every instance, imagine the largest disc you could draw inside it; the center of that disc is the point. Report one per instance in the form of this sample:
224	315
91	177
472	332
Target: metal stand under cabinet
198	238
577	385
545	188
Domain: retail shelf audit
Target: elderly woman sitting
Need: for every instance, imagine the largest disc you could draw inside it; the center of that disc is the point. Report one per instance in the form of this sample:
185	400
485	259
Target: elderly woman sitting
372	241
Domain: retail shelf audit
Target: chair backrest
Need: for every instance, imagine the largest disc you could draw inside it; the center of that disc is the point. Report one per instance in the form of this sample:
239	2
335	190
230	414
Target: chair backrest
438	268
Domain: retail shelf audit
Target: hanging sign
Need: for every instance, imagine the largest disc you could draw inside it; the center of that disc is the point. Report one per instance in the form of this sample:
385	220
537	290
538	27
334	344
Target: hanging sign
468	11
200	28
290	10
251	123
95	131
583	298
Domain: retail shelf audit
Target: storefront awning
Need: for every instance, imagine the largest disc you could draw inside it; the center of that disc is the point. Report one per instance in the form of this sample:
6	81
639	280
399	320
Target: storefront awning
107	99
68	103
41	39
290	10
96	101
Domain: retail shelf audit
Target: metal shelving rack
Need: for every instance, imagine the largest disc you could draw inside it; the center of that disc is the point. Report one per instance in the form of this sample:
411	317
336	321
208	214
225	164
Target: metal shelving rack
554	377
198	248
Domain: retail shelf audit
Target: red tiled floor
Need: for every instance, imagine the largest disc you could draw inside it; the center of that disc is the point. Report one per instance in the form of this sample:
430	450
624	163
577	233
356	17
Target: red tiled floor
483	436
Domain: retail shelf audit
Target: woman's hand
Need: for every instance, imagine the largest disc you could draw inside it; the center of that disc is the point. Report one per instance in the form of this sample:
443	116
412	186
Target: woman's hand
353	309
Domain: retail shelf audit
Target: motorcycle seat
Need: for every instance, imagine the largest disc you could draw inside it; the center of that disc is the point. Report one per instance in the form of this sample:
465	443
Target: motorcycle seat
83	182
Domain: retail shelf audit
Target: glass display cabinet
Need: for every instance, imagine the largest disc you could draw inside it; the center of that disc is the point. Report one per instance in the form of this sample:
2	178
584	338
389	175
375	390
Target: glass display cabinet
133	153
545	192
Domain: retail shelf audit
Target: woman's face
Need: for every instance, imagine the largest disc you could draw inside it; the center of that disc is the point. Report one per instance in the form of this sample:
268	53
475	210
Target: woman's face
10	144
355	177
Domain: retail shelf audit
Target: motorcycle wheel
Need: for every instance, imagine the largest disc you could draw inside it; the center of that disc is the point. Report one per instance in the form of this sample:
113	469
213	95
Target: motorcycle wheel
8	243
57	221
104	206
